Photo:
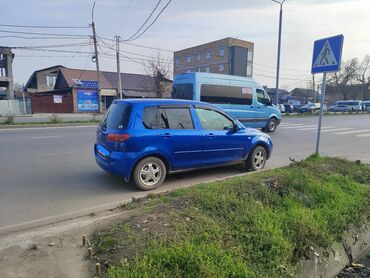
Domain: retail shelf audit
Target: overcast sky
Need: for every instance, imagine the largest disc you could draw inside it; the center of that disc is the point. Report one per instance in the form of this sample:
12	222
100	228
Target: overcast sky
187	23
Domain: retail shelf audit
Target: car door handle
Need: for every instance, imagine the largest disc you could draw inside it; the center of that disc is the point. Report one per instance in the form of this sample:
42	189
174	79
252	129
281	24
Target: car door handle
166	135
211	134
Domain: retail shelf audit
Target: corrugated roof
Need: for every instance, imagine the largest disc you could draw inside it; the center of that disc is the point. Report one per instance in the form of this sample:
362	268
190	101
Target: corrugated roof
131	81
109	80
73	74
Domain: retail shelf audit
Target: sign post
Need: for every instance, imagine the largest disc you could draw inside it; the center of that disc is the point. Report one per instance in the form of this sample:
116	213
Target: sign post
327	56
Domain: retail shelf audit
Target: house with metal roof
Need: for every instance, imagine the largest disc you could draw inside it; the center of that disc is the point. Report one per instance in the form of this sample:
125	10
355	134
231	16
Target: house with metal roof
59	89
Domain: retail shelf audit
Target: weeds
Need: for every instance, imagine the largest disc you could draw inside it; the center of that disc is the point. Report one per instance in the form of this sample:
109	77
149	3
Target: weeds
259	225
9	120
54	119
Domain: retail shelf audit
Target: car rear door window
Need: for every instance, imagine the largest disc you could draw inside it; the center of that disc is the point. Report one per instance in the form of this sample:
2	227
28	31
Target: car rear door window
175	118
150	117
213	120
117	116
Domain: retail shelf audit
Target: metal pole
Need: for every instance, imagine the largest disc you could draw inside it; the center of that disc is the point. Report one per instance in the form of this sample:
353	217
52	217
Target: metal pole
96	59
24	102
313	89
321	113
118	68
278	55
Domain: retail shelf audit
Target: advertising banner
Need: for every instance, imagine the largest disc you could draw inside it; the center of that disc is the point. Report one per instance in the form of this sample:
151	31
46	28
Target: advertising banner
87	101
58	99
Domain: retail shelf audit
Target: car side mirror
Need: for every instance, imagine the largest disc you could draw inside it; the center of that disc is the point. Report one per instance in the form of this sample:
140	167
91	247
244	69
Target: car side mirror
236	128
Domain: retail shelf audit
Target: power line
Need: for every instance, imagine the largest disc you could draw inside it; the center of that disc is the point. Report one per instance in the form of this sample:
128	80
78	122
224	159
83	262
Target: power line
44	34
137	45
155	19
274	67
142	26
52	45
53	50
42	38
44	27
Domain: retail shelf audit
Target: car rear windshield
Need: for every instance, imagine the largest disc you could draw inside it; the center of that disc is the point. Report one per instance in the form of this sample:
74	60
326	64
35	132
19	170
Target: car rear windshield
117	116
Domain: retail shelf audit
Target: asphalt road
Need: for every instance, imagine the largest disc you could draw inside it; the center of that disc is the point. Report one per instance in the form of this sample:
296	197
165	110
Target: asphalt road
49	174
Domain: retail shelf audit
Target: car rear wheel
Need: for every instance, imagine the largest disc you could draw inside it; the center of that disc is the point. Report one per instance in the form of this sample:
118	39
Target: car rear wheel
271	125
257	159
149	173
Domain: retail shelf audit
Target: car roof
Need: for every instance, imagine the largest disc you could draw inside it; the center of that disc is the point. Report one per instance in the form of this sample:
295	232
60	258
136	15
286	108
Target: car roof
156	101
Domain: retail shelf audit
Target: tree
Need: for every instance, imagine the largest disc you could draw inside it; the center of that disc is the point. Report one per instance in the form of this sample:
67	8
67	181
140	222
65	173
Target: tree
160	69
362	76
346	76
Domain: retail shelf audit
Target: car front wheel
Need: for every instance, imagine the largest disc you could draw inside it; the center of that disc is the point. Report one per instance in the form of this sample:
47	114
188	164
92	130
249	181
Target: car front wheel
257	159
271	125
149	173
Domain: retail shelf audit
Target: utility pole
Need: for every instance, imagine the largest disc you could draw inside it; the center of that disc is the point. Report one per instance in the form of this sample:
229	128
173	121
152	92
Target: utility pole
313	89
281	2
118	67
96	59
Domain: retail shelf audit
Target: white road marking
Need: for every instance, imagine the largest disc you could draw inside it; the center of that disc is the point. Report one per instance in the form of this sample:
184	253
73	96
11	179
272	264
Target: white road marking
45	137
55	154
314	128
363	135
352	131
337	129
288	124
300	126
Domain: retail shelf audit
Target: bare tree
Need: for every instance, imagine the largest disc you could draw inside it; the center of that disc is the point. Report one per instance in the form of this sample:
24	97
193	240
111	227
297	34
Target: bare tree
161	70
362	76
346	76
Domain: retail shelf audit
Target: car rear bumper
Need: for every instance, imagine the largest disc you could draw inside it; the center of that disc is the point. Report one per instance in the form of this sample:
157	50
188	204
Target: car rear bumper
117	163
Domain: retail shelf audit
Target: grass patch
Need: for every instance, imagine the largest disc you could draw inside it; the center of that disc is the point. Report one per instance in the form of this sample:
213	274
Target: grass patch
258	225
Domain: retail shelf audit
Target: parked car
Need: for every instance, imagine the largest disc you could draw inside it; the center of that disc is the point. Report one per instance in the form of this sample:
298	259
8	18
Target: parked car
366	105
352	105
282	108
312	107
144	140
338	108
289	108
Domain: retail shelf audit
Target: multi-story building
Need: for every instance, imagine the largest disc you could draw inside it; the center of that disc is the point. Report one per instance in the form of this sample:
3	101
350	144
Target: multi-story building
227	56
6	73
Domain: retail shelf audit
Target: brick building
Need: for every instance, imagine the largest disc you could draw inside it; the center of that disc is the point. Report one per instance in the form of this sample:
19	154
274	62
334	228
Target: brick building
226	56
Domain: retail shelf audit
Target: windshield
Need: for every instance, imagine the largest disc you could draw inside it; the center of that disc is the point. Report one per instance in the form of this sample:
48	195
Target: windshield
182	91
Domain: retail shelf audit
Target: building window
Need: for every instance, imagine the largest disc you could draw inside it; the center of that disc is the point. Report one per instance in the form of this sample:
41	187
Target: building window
188	59
221	67
208	69
50	80
208	55
222	52
250	56
198	57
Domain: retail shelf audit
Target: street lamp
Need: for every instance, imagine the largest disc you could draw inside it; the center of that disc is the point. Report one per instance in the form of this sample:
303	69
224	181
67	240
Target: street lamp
279	45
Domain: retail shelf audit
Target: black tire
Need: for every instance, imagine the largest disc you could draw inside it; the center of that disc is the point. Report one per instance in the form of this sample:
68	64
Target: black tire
271	125
256	159
149	173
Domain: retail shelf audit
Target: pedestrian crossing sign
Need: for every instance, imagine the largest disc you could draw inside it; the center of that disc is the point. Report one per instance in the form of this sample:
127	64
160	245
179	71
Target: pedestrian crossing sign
327	54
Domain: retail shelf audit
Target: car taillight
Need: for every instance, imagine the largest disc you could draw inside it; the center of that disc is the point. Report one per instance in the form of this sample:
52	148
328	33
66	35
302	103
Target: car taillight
118	137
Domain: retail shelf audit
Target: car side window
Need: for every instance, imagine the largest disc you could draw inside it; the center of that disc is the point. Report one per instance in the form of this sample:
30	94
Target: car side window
262	97
213	120
150	117
175	118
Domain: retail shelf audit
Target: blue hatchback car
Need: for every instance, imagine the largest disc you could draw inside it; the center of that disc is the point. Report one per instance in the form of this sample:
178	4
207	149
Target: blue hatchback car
143	140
